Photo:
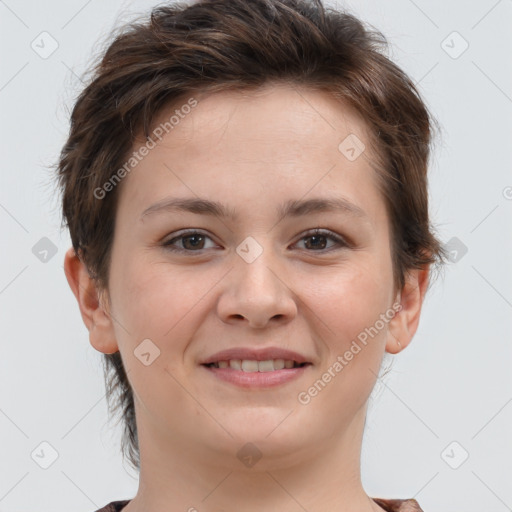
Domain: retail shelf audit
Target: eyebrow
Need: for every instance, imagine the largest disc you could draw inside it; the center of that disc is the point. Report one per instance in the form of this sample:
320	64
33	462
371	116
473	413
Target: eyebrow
292	208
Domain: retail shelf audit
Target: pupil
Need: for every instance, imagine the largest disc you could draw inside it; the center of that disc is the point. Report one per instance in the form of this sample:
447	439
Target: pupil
316	237
194	245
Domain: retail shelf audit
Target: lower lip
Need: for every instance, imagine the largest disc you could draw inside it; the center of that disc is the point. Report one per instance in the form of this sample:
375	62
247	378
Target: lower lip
257	379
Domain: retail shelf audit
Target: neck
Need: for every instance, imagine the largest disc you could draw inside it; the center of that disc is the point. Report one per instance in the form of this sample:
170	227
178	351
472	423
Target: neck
188	478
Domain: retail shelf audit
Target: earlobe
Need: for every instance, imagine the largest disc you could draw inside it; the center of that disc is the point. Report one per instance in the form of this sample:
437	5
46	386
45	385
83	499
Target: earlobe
93	309
404	324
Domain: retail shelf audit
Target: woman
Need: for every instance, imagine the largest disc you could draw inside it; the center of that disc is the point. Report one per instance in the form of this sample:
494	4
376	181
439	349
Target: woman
245	188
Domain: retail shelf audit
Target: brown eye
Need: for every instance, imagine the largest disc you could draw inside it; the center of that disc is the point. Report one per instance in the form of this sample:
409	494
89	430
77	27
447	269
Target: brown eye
318	239
316	242
191	241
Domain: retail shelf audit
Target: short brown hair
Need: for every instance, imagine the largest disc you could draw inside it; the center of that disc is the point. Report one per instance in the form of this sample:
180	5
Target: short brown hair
219	45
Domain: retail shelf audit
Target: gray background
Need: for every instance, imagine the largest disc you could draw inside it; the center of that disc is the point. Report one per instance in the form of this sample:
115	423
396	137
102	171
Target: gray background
453	383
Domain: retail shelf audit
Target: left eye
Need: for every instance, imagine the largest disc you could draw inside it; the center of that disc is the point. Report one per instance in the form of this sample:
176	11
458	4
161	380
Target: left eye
194	241
317	236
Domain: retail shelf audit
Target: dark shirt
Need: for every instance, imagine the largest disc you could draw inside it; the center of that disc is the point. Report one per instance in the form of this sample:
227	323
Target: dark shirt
388	505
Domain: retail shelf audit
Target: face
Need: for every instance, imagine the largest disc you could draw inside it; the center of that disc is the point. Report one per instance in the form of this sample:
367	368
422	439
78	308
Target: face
186	284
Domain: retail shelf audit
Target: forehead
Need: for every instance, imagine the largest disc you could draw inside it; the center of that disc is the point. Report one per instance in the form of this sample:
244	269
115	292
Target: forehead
276	140
271	114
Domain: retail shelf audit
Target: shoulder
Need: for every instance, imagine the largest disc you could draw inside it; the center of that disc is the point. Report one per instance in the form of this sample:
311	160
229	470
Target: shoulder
114	506
410	505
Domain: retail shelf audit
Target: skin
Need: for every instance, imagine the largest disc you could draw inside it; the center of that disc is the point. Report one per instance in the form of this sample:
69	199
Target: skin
252	151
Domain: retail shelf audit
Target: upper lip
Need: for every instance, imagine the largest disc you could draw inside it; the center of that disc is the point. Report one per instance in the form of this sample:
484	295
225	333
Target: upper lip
263	354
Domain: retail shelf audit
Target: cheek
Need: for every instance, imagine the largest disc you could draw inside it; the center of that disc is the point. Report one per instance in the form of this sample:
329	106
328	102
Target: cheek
153	302
352	300
351	306
157	304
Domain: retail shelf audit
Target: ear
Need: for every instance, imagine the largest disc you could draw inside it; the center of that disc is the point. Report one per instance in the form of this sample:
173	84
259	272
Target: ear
404	324
94	313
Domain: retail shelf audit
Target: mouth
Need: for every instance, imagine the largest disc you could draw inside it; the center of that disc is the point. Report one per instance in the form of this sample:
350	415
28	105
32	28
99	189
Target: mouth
251	365
253	374
257	368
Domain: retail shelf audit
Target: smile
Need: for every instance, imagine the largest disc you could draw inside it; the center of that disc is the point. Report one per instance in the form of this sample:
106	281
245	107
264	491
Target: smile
251	365
252	374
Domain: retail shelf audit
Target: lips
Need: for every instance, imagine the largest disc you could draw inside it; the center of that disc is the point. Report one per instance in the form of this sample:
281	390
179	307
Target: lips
257	369
252	354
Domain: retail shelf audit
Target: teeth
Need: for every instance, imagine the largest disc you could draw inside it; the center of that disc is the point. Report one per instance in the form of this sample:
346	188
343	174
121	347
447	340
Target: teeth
250	365
279	364
236	364
261	366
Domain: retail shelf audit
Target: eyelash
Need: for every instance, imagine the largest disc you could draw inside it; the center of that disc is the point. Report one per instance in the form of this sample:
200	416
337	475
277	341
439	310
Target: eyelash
314	232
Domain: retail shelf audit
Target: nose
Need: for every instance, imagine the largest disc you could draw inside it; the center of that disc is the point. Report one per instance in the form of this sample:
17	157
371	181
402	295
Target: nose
256	293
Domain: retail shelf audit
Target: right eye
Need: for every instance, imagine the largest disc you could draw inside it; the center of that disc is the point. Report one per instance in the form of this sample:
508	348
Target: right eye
191	241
